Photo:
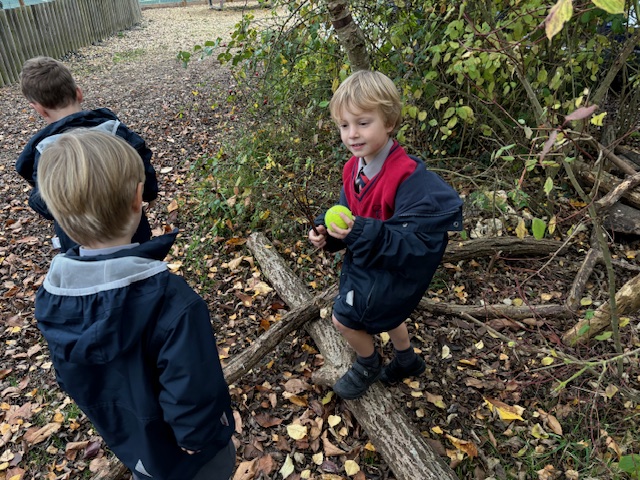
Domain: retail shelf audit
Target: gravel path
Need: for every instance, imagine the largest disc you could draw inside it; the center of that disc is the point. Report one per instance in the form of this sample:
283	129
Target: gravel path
180	112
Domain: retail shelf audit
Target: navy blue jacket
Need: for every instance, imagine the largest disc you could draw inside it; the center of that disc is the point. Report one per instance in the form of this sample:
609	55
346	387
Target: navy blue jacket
133	345
388	264
104	120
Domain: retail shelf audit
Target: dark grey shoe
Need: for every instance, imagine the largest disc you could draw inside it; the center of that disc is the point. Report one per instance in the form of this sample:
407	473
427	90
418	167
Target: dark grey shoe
393	372
356	381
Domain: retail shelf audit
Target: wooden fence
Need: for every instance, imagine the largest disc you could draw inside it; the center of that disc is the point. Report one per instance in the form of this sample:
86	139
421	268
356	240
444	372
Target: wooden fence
57	27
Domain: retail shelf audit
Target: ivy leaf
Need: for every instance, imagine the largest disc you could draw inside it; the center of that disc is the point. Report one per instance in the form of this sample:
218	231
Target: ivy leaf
610	6
560	13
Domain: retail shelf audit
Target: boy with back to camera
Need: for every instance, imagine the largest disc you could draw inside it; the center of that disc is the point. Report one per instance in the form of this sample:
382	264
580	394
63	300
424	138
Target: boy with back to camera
397	239
131	343
49	87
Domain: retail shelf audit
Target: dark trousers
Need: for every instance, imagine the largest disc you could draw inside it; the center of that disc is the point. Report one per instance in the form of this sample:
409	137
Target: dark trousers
219	468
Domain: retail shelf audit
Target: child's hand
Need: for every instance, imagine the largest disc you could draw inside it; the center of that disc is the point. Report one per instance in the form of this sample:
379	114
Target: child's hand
318	240
341	233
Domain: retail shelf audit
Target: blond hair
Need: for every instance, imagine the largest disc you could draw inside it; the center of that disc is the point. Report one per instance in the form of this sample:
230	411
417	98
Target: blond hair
366	91
48	82
89	179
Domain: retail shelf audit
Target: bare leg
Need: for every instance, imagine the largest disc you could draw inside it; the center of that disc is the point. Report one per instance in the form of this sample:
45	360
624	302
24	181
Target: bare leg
400	337
359	340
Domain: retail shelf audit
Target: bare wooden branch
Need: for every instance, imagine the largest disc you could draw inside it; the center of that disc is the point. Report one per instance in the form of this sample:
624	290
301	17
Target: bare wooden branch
299	316
496	311
607	182
627	301
484	247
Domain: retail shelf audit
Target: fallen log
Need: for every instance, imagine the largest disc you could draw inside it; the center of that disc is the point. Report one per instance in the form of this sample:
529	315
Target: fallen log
486	247
607	183
400	443
627	302
496	311
265	343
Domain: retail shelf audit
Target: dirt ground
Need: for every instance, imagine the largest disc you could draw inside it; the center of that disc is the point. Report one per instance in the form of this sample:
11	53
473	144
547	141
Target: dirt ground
473	377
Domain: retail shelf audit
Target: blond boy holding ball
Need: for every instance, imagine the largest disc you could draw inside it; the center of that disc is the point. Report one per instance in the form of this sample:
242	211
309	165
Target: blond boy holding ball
394	239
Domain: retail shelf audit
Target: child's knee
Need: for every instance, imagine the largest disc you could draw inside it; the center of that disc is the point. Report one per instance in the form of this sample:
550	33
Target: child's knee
341	328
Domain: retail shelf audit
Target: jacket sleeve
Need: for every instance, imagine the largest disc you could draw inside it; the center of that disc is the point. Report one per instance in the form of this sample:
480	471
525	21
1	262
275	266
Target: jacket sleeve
36	202
25	164
150	191
374	245
417	229
194	395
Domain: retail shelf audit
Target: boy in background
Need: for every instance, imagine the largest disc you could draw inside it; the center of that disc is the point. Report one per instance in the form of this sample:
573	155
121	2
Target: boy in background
131	343
52	92
397	239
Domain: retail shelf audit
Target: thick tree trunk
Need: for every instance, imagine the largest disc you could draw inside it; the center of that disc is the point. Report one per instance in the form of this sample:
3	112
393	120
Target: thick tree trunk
350	35
391	431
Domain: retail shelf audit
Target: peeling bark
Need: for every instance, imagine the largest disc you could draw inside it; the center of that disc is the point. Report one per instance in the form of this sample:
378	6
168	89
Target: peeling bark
350	35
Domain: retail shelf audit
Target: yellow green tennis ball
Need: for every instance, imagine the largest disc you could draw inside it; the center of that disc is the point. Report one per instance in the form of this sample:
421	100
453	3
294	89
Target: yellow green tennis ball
333	216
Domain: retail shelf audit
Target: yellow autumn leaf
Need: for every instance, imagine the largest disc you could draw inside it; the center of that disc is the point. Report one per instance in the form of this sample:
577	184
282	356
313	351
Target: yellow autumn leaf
297	431
327	398
611	390
538	432
369	446
551	226
465	446
521	229
610	6
559	14
517	302
446	352
288	468
317	458
597	120
546	361
586	301
437	430
334	420
351	467
384	336
436	400
506	412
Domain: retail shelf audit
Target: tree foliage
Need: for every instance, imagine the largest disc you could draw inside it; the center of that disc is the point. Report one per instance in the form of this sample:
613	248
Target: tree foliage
484	82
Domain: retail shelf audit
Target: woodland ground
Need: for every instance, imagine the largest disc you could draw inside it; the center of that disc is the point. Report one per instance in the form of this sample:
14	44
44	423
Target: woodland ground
184	116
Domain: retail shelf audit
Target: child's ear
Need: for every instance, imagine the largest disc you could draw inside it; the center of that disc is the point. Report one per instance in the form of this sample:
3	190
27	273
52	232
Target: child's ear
136	206
79	95
40	110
